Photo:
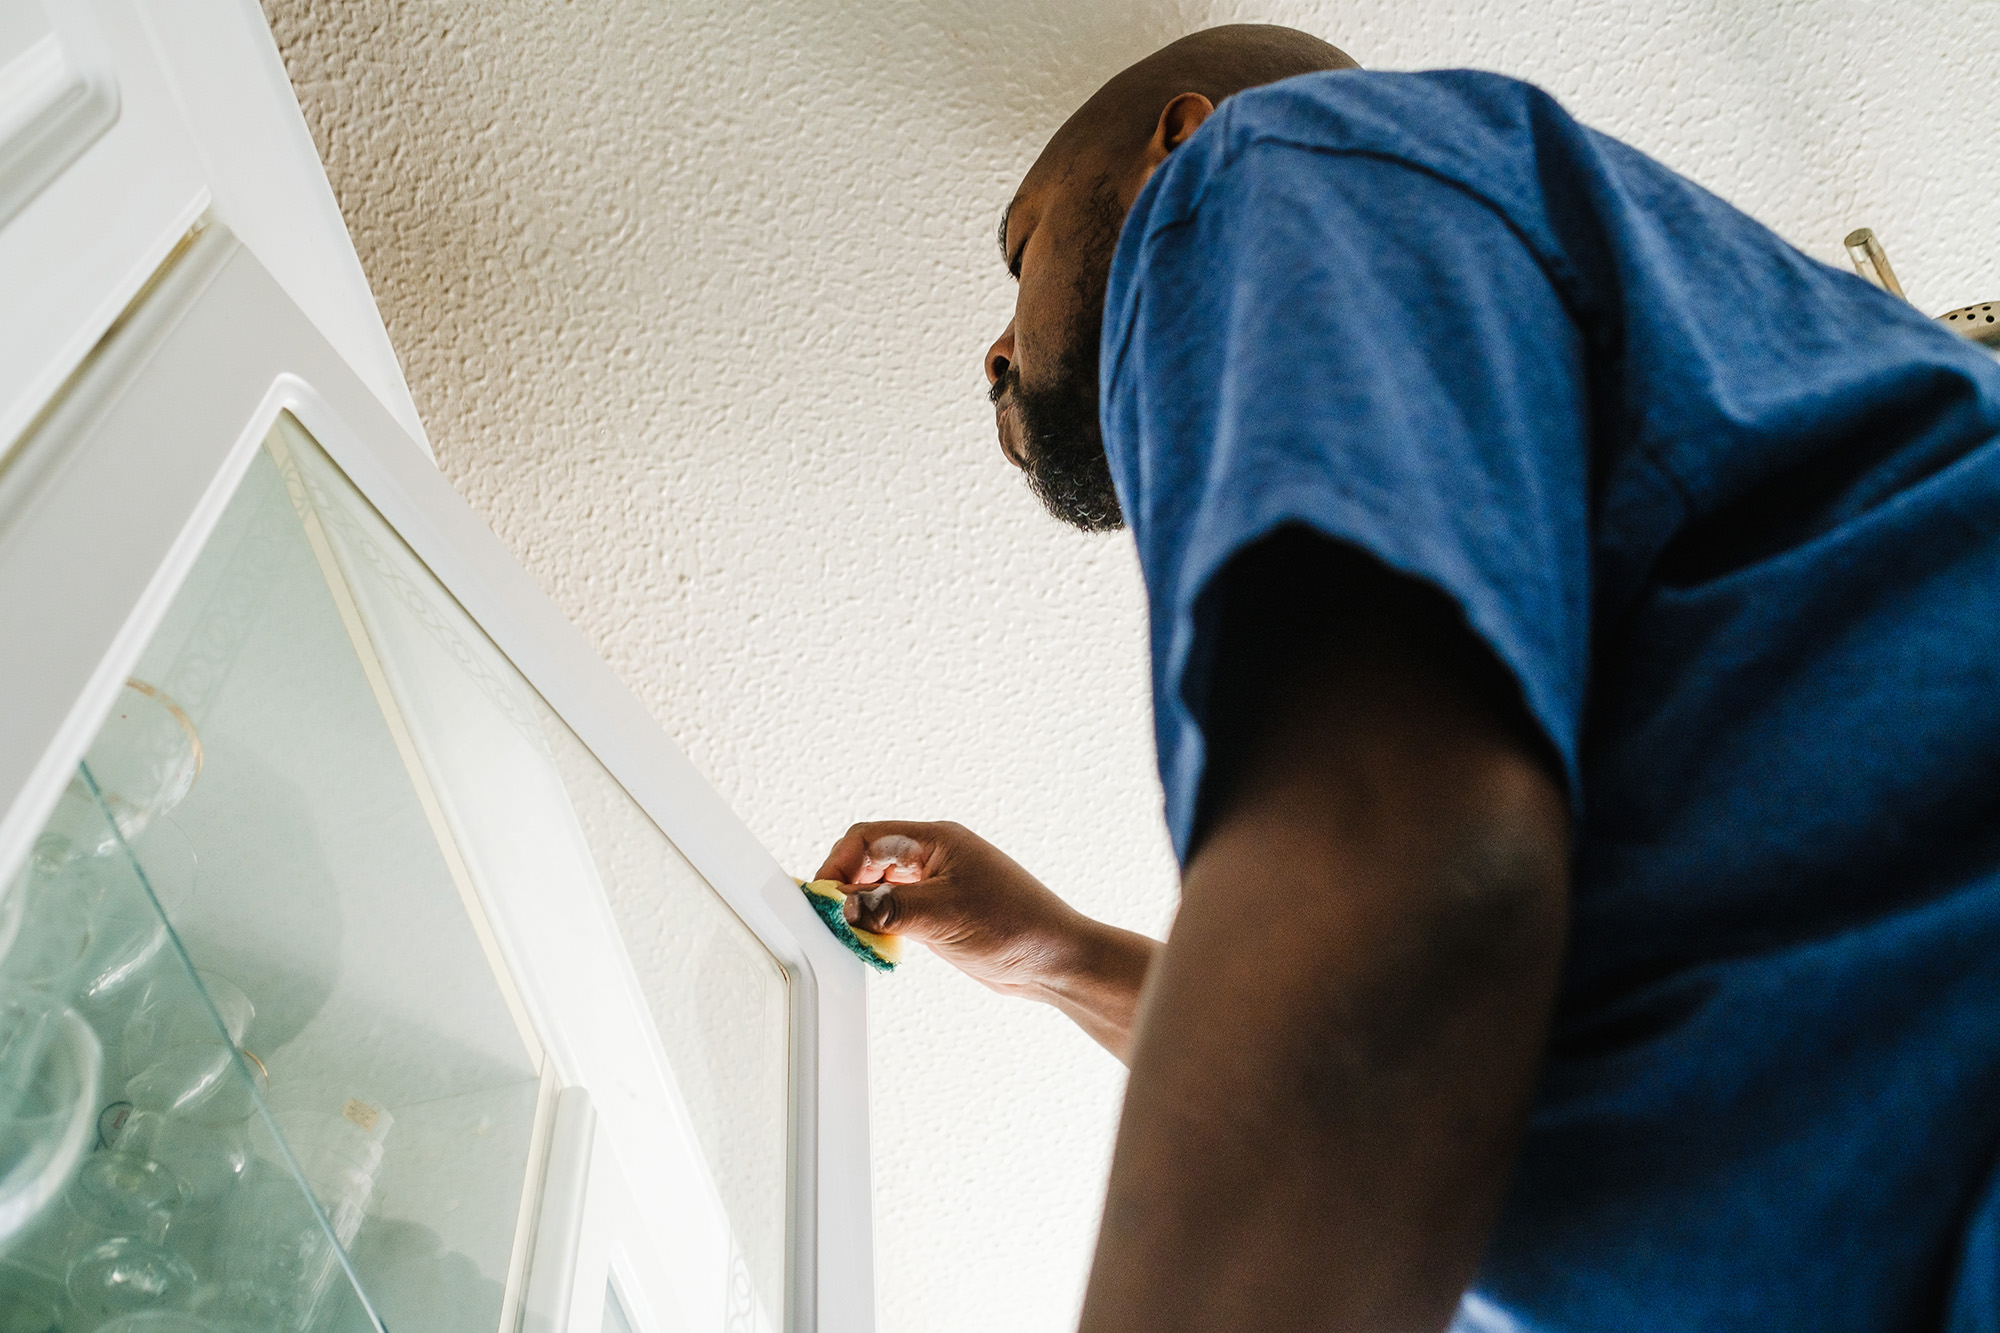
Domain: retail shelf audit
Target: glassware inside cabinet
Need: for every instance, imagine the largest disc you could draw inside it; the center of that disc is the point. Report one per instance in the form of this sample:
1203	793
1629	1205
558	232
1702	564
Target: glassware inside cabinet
141	1176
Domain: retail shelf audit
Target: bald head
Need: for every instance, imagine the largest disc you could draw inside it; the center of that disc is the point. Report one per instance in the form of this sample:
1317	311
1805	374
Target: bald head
1121	116
1059	233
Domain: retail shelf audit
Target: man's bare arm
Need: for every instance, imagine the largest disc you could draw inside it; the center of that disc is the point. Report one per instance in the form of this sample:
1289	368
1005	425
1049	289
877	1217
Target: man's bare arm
1338	1045
981	912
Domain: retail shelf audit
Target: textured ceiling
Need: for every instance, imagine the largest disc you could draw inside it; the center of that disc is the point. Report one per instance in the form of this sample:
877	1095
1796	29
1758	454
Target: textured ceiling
692	298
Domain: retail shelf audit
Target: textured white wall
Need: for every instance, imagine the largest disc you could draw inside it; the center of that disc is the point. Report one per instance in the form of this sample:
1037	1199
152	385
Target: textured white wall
692	297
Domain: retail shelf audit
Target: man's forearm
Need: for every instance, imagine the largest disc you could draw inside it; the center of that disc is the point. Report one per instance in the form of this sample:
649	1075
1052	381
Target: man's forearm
1096	980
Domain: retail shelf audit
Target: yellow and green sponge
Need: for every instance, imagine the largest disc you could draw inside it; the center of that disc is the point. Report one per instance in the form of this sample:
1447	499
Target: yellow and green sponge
881	952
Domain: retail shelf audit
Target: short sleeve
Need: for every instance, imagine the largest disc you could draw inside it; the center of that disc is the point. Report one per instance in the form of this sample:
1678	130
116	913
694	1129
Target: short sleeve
1350	344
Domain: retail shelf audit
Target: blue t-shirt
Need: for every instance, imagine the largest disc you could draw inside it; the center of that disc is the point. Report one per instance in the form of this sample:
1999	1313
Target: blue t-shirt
1729	517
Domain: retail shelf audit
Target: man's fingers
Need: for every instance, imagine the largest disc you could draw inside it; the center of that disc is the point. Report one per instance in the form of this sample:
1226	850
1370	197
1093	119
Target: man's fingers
881	910
868	908
843	863
922	911
896	857
896	851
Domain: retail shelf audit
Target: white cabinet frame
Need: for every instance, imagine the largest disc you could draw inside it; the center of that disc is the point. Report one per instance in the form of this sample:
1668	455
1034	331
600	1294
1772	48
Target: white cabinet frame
104	507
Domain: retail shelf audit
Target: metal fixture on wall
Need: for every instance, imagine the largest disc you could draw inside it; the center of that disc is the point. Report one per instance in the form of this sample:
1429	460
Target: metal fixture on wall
1980	322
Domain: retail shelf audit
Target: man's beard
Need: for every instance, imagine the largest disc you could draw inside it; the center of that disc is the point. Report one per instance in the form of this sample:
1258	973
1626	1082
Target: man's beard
1065	464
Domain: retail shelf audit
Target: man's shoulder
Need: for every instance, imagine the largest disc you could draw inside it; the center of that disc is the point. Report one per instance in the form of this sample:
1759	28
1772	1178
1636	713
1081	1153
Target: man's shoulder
1493	136
1415	112
1464	125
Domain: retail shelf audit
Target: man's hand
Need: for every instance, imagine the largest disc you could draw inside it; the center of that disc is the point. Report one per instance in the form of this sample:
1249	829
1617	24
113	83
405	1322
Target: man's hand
982	913
1338	1046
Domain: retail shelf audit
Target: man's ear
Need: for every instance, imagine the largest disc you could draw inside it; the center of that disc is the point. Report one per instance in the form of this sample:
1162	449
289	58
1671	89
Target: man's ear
1180	118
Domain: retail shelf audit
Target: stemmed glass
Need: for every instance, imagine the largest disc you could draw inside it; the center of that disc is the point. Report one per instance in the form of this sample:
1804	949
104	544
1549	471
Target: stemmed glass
129	1201
128	1273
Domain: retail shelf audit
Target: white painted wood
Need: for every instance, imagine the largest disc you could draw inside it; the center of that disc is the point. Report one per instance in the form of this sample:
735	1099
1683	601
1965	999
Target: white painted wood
71	604
264	177
607	1260
102	512
96	211
565	1186
121	122
57	95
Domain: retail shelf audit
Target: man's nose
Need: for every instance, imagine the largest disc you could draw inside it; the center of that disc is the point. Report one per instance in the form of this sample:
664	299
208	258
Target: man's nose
1000	355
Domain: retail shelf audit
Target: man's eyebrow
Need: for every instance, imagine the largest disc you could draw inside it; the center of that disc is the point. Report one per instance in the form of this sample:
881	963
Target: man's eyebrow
1006	214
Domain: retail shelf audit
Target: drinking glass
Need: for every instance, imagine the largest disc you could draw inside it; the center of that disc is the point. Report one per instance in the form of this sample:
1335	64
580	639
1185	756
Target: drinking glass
128	928
146	757
126	1193
126	1274
51	1067
142	764
208	1160
198	1081
25	1030
53	939
171	1013
339	1159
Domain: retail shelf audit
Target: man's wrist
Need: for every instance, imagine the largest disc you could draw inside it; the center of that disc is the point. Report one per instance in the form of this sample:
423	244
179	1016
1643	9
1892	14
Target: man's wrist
1089	963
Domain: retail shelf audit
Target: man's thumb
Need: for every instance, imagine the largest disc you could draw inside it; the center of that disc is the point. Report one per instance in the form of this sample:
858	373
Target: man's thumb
891	909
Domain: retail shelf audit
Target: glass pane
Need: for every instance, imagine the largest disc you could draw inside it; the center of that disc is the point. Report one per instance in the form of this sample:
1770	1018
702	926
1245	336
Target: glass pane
529	805
719	1000
331	895
140	1170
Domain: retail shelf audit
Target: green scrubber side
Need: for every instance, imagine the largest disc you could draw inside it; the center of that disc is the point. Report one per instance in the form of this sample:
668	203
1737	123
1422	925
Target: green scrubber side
878	951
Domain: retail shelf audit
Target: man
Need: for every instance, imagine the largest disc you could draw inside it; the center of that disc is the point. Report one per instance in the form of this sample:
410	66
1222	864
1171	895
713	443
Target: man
1574	617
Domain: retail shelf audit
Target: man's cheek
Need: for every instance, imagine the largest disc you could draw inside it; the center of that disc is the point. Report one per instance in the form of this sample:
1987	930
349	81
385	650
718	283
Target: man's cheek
1037	336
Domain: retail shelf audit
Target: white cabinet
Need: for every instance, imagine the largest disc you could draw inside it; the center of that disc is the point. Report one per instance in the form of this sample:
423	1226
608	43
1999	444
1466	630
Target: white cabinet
321	830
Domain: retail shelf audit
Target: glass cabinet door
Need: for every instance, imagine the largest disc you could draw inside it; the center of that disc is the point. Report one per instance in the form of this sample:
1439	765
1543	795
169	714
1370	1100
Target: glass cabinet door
327	917
529	809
